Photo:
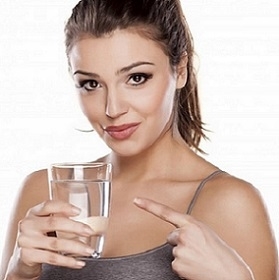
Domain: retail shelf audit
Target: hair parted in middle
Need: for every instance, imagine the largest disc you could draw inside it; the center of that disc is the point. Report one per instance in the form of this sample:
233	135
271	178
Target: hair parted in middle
162	21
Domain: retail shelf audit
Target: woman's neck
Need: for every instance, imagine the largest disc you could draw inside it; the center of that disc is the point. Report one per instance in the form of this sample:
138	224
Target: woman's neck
155	162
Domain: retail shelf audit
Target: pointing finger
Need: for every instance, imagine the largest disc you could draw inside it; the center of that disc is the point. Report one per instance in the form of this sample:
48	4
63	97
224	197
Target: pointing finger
162	211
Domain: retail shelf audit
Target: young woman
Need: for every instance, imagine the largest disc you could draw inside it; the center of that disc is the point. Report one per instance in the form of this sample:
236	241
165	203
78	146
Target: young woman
173	215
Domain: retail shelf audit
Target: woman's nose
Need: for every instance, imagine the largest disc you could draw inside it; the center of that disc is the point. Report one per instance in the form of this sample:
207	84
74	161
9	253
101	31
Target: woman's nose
115	105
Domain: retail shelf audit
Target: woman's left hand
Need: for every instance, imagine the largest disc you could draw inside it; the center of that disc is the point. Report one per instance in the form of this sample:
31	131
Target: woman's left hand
199	253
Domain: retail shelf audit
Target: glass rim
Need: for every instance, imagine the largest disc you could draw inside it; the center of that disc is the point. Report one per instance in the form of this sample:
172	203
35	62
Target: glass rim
80	164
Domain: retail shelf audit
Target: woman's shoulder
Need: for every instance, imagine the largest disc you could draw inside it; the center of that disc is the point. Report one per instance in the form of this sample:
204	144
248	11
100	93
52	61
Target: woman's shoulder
231	189
227	203
226	192
34	189
37	176
37	179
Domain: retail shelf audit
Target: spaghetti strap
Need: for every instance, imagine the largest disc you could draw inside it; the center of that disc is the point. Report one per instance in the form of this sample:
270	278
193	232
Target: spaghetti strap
199	189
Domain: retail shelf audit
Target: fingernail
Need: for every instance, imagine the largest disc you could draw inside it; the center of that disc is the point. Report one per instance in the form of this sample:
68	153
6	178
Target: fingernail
80	264
88	230
89	251
137	200
76	210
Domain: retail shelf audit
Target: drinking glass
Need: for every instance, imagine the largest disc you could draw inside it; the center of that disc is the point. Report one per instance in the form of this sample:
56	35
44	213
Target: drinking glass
87	186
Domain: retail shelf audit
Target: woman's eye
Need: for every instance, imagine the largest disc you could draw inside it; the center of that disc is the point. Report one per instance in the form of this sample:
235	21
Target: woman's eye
138	79
88	85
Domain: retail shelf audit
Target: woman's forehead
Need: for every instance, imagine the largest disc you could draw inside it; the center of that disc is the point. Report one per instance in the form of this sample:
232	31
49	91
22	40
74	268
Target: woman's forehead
120	45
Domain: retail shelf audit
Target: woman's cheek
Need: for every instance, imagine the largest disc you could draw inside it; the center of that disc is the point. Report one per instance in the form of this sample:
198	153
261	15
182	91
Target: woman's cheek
91	107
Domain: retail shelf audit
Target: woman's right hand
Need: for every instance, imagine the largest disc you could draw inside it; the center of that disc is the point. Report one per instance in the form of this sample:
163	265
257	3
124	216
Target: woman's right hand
34	245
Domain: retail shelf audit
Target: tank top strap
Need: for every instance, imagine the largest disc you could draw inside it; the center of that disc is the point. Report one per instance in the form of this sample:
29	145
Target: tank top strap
199	189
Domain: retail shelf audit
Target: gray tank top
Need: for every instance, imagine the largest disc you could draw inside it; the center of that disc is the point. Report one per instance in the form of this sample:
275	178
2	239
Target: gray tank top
149	265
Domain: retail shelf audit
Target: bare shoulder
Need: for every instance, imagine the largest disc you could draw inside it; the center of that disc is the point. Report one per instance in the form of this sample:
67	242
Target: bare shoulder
34	189
227	199
37	177
230	193
235	210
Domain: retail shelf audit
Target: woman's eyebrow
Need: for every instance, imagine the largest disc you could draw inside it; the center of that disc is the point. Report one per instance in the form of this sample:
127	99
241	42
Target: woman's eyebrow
122	70
131	66
81	72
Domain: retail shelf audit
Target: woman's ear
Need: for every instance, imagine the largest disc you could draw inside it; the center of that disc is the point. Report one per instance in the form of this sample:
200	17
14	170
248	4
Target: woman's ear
181	70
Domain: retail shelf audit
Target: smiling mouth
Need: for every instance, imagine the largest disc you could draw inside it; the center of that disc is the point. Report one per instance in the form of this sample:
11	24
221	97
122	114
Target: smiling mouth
121	132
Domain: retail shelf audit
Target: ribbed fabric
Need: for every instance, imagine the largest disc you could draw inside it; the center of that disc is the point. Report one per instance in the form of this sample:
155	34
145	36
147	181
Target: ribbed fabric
150	265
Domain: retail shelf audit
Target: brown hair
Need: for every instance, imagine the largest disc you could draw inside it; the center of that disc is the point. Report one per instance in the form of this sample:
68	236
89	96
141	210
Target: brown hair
160	20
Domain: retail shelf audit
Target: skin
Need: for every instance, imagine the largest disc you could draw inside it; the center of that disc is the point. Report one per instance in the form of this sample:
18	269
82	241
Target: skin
155	177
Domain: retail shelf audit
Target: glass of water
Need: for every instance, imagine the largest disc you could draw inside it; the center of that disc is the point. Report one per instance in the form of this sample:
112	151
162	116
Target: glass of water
87	186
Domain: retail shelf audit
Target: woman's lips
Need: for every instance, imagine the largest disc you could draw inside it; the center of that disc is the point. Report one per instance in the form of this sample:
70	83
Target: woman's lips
122	132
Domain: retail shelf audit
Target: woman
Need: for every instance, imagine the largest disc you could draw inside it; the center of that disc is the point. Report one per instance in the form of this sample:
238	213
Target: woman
173	215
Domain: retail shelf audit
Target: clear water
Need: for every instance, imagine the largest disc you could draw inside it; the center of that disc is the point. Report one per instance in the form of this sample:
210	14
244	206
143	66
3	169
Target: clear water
93	198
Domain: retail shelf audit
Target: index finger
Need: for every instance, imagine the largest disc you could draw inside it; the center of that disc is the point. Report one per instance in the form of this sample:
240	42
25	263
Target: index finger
162	211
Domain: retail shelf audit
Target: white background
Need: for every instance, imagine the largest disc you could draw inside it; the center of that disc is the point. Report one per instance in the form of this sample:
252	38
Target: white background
237	43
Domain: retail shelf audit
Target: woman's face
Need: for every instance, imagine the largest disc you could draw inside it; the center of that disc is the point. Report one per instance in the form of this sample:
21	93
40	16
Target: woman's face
126	89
